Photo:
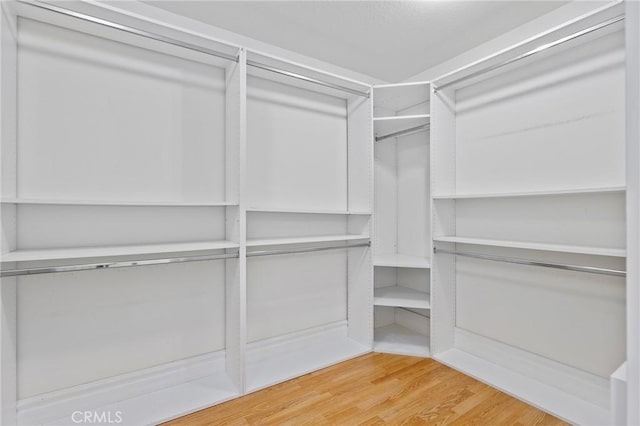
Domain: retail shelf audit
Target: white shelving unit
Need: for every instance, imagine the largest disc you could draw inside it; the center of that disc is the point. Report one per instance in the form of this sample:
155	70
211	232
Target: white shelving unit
87	189
529	167
402	240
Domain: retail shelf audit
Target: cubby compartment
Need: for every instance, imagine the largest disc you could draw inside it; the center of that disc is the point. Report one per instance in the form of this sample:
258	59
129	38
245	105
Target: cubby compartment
404	331
402	287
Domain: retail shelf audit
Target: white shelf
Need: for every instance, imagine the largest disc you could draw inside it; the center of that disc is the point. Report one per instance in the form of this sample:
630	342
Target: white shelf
532	193
401	261
23	201
387	125
109	251
169	403
396	339
402	297
401	96
399	118
597	251
551	399
270	210
254	242
282	358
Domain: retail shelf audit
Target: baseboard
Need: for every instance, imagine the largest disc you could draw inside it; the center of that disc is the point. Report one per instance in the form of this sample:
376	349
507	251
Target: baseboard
281	358
47	407
568	393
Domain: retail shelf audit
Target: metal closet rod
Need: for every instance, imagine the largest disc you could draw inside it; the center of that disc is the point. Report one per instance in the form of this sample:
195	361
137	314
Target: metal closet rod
409	131
307	79
532	52
113	265
131	30
566	267
305	250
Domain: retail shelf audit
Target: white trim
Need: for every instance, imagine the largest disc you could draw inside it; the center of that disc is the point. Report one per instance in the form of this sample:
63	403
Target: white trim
548	398
59	404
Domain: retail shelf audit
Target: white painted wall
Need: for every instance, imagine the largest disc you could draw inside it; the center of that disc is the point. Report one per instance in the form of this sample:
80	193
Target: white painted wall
633	211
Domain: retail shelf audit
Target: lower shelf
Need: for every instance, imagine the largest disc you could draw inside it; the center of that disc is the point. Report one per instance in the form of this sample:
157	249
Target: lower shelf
282	358
397	339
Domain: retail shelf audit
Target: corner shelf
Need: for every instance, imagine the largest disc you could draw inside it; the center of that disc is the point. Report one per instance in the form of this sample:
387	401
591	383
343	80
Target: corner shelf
396	339
386	125
399	260
36	201
109	251
402	297
532	193
255	242
591	250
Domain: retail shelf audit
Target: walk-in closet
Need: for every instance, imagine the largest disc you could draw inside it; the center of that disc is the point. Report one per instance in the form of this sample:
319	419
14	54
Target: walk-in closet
198	212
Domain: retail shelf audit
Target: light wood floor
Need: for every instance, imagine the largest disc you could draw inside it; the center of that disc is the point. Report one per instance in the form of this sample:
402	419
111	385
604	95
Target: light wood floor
375	389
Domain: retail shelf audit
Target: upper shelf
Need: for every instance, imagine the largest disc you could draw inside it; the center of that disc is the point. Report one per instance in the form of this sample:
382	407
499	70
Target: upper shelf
35	201
385	126
592	250
532	193
110	251
255	242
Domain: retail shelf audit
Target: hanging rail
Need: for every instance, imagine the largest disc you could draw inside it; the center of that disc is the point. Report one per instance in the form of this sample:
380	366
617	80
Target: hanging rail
566	267
532	52
305	250
131	30
404	132
305	78
113	265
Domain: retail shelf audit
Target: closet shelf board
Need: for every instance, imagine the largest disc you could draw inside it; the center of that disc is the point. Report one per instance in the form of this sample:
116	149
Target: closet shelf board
396	339
254	242
387	125
591	250
401	261
34	201
109	251
532	193
337	212
402	297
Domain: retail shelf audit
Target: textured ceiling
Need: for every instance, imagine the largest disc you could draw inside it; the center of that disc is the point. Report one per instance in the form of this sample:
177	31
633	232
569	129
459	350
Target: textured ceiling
388	40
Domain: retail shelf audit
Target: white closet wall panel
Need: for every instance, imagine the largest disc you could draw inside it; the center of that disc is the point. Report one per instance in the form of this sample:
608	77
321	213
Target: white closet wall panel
116	321
296	148
386	197
104	109
290	293
77	226
554	124
413	226
575	318
547	219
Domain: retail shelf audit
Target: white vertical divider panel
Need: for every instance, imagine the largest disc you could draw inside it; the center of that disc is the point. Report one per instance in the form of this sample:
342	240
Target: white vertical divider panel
633	208
235	219
360	198
8	330
443	172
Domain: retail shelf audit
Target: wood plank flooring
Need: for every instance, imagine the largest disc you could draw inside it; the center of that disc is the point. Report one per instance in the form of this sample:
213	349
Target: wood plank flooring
375	389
